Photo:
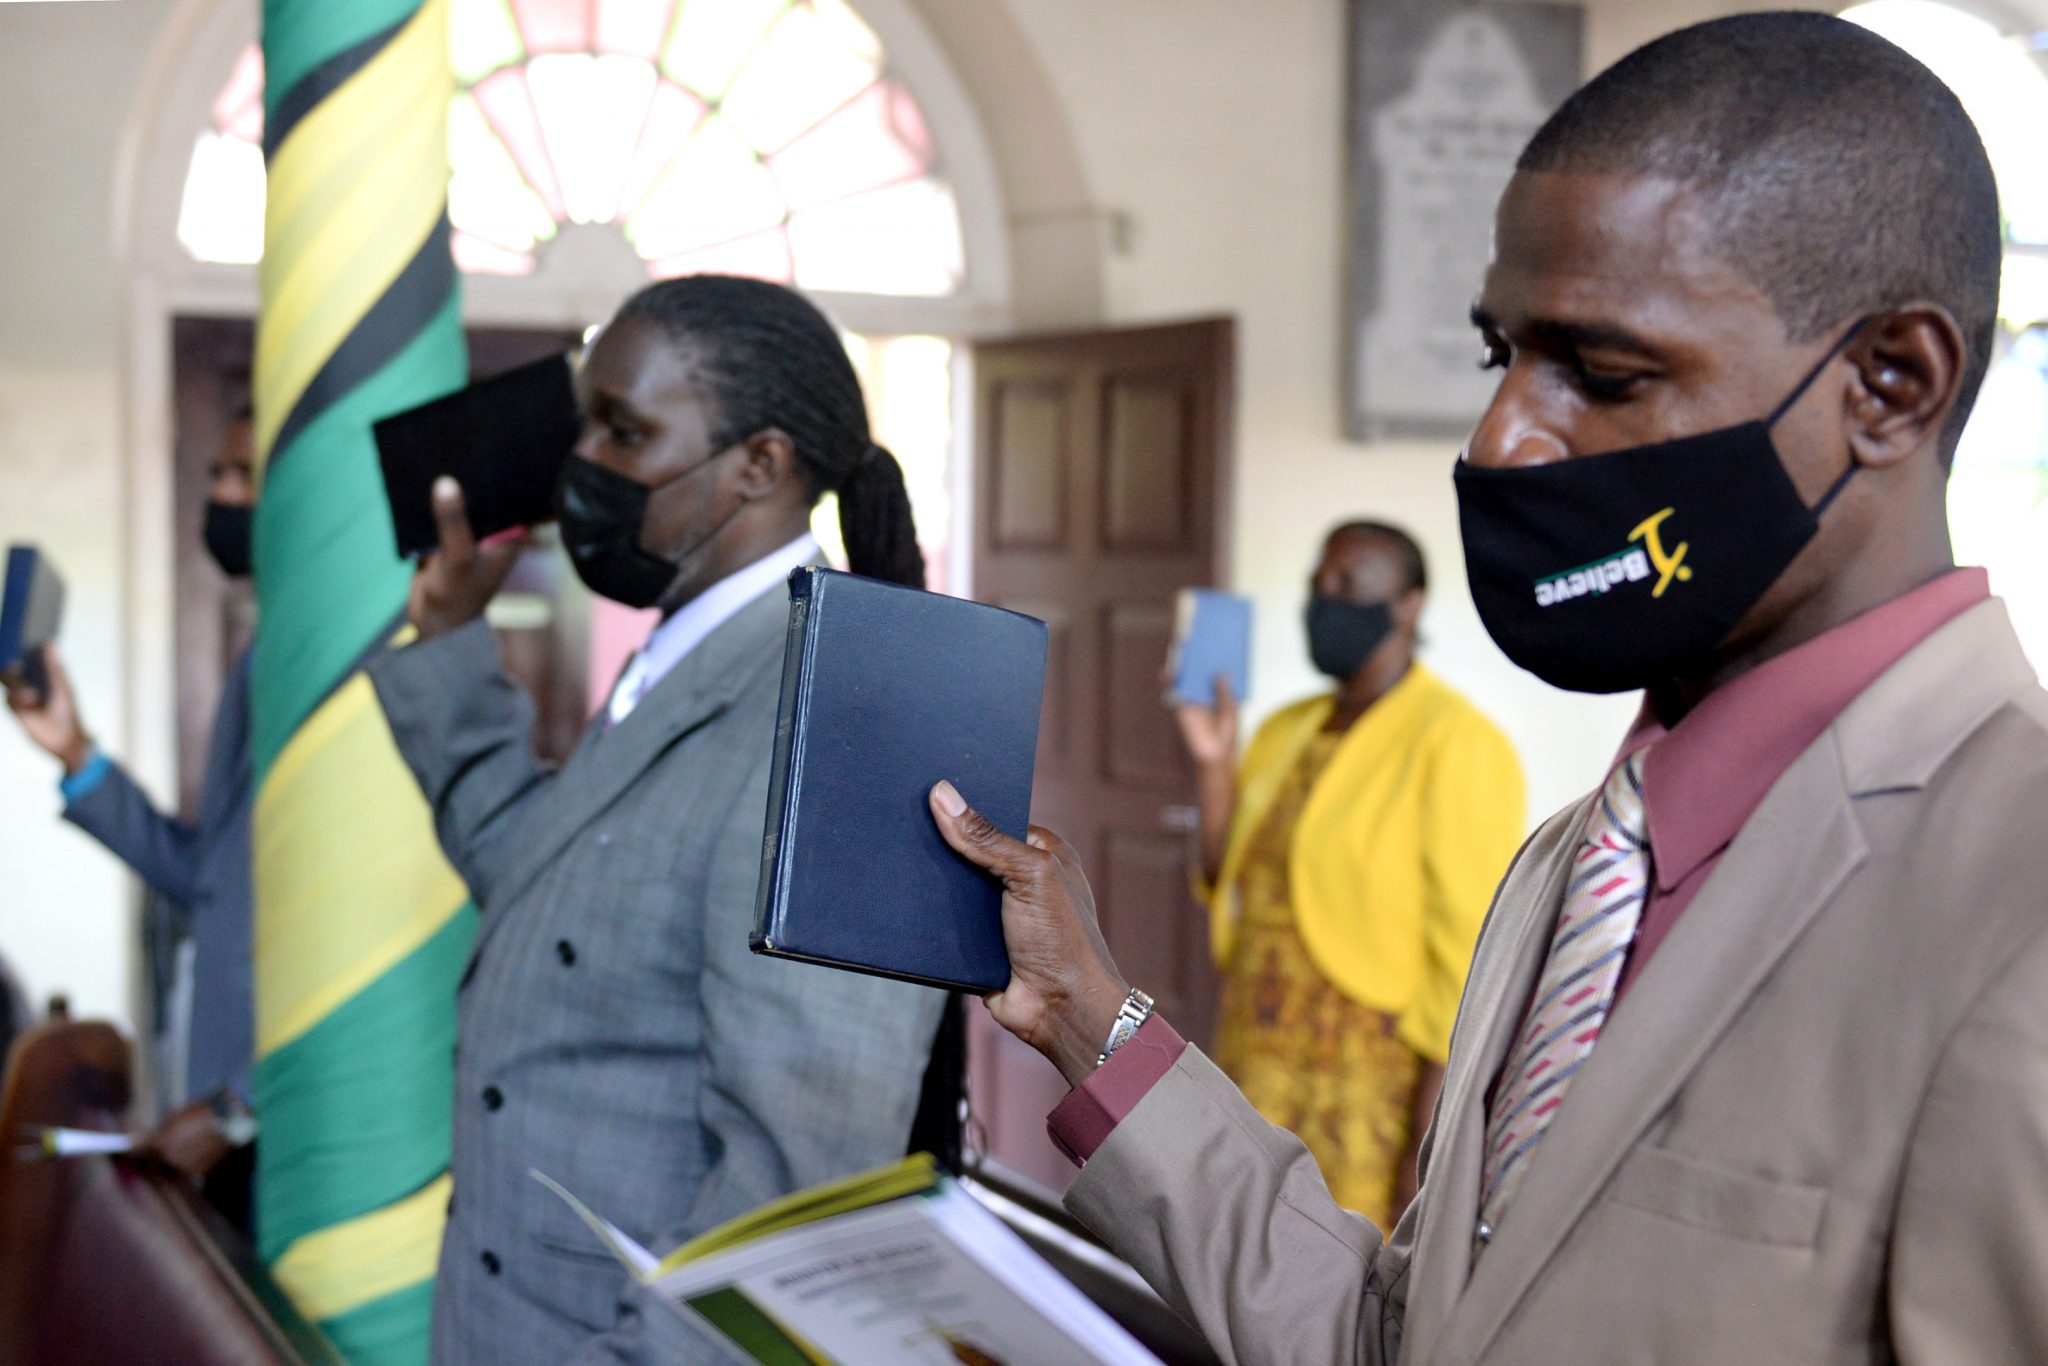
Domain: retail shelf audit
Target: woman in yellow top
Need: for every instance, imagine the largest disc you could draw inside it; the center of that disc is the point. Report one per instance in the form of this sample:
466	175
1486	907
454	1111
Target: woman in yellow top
1348	863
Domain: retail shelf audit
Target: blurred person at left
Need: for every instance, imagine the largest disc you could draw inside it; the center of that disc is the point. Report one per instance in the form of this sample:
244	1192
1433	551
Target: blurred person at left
201	867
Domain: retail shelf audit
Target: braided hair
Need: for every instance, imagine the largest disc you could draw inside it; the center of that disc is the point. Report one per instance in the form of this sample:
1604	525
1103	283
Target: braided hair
766	357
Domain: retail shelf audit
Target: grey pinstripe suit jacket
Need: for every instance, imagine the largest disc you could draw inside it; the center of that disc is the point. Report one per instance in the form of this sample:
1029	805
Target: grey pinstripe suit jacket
615	1031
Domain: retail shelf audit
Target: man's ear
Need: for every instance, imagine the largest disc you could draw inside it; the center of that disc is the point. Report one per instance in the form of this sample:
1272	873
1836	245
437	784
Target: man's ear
768	465
1909	370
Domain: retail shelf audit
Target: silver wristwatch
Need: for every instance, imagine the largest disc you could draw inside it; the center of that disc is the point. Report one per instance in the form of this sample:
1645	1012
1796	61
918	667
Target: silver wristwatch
1137	1008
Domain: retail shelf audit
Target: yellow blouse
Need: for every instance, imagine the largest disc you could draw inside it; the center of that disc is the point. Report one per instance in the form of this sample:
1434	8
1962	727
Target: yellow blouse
1399	847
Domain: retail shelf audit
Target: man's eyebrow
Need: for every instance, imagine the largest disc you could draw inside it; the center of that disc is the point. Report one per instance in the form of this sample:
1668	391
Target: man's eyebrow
1559	332
1602	335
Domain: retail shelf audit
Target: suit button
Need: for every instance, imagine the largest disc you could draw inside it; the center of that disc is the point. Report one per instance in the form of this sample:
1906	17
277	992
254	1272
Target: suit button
493	1098
491	1263
565	951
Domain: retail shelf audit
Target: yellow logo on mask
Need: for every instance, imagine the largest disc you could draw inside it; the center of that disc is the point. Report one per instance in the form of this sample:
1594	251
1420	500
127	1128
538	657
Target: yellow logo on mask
1670	564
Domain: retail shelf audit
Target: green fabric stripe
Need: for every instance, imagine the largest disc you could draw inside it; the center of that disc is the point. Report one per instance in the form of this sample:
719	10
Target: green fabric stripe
299	35
284	113
357	1111
393	1331
323	518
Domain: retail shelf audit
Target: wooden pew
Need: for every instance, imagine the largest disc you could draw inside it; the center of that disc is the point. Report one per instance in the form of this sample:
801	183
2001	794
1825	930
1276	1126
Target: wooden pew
109	1261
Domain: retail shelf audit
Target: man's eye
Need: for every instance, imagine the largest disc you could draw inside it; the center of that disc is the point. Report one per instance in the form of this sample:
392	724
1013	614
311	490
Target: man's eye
622	436
1493	355
1602	386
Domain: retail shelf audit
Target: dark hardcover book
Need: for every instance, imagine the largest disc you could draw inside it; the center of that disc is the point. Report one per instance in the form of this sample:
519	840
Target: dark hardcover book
503	439
886	690
31	609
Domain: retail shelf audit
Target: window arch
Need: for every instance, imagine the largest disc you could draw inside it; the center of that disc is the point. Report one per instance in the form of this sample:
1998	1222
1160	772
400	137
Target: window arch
758	137
1998	493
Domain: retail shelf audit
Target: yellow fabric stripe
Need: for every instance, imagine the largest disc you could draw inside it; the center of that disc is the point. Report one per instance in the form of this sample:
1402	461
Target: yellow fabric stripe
347	1265
348	877
355	190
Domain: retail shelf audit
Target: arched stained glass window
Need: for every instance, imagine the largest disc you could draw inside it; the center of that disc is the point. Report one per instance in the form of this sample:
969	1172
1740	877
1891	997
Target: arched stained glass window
756	137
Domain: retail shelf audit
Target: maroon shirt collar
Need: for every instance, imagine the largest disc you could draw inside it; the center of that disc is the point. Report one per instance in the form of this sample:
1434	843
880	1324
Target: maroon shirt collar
1707	774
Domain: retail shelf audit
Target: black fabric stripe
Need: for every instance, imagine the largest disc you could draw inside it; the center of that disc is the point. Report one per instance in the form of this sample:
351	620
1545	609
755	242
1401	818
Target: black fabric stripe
317	84
397	317
379	643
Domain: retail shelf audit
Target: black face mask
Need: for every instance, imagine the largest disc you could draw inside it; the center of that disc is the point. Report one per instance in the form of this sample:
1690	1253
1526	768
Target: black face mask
228	536
1342	635
1608	573
601	512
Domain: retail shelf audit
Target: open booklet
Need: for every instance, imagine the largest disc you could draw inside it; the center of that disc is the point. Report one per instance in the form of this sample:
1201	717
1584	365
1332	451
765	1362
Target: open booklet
896	1265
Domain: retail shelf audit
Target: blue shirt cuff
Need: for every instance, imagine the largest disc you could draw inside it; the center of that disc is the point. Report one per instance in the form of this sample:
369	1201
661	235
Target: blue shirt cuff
77	786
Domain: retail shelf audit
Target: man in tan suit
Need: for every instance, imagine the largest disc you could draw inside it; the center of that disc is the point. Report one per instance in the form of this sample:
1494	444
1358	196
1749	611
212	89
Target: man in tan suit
1752	1065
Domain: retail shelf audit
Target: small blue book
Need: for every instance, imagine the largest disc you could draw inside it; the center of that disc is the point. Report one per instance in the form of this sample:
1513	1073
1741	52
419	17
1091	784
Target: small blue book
886	690
1212	636
31	608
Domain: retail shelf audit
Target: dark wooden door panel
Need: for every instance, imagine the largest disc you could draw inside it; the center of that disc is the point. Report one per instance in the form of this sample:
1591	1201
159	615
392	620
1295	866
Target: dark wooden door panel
1101	465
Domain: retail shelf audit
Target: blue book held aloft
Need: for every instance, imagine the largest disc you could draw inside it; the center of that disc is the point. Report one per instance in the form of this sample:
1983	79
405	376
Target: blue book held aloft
1212	637
886	690
31	608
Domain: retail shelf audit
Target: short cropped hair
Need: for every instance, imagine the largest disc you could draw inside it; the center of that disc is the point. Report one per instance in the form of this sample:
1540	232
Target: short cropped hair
1842	176
1414	570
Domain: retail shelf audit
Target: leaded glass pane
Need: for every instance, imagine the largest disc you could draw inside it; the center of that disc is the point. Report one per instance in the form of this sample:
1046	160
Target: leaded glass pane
713	38
487	196
508	104
671	118
553	25
591	111
482	39
764	137
797	76
633	28
877	140
716	190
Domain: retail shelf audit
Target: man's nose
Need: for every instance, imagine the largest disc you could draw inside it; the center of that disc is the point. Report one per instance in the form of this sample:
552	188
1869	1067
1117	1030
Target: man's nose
1512	432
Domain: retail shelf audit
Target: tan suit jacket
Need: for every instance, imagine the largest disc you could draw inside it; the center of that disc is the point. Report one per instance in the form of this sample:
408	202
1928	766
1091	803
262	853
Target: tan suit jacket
1814	1130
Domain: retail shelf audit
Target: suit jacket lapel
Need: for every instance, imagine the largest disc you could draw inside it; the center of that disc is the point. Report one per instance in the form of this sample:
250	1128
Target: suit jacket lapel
1509	956
608	760
1784	866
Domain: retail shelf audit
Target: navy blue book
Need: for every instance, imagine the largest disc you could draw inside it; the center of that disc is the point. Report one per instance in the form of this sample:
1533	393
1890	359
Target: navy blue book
31	607
886	690
1212	636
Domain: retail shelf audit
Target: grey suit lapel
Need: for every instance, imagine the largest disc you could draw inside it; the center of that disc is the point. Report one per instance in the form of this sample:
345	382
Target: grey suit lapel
741	653
1511	952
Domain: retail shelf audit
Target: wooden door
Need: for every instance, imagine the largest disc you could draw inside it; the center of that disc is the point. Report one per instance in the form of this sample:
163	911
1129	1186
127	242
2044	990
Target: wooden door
1101	480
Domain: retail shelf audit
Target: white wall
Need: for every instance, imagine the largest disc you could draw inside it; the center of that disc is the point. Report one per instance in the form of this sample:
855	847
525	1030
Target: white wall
65	73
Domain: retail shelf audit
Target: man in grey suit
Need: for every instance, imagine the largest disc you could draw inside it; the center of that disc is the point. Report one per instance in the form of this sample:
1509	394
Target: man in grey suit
615	1031
1752	1063
200	870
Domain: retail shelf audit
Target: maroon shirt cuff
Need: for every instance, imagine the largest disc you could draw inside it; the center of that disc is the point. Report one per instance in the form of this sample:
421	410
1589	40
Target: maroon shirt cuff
1080	1123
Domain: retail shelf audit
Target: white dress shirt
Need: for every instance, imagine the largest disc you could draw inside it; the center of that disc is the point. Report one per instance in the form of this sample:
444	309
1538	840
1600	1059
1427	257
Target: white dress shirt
685	629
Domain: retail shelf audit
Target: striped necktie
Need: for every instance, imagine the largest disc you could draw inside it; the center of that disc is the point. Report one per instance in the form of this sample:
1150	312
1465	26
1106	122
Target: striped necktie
1603	905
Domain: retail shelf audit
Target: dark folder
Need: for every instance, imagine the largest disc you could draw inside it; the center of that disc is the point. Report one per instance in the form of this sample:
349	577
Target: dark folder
886	690
31	608
503	439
